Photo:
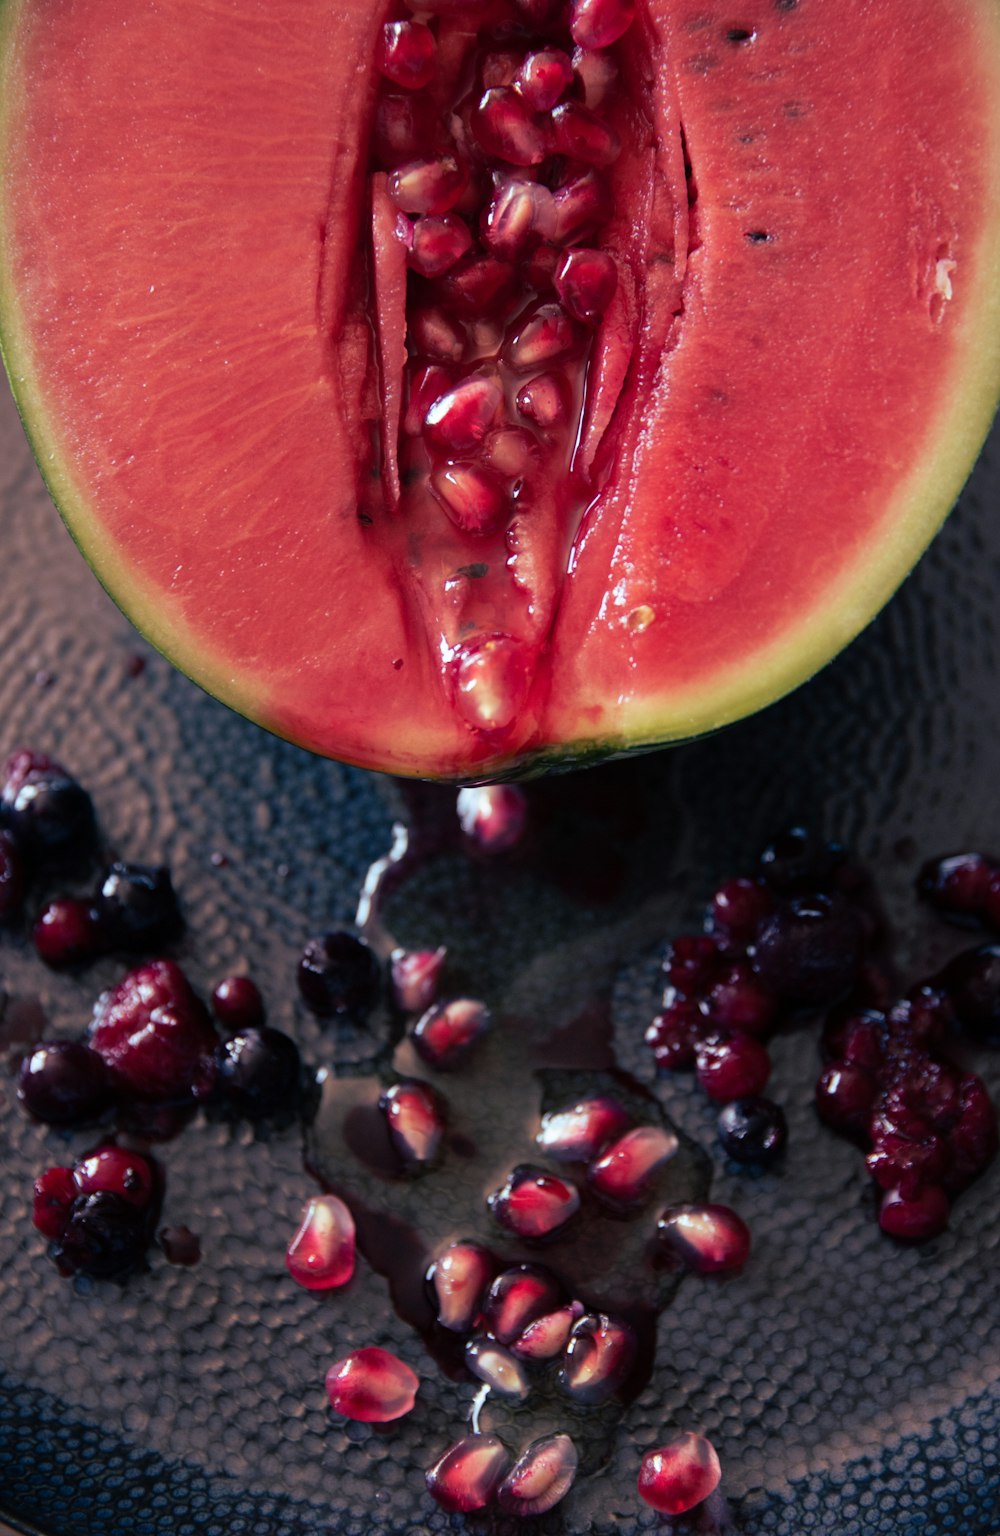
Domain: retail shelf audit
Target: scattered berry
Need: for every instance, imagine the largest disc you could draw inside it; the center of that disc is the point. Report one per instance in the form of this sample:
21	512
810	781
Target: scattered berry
752	1130
371	1385
320	1256
258	1073
340	977
64	1082
679	1475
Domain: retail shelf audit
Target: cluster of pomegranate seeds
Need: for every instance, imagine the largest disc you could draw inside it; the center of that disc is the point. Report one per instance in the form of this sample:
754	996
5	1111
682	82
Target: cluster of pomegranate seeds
492	185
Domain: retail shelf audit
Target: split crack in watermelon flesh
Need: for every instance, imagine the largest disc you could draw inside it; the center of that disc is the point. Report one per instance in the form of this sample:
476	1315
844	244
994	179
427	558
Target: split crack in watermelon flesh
226	367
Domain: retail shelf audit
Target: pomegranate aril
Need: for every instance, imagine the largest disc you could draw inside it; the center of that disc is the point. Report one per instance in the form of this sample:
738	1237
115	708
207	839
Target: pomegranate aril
320	1256
478	284
625	1173
473	498
505	127
597	73
434	244
732	1066
709	1239
521	214
493	679
737	909
415	1116
585	281
973	1139
498	1368
599	23
406	54
492	816
510	452
517	1297
579	134
692	963
542	1475
403	127
448	1031
67	932
459	419
118	1172
458	1279
426	385
547	335
674	1034
427	186
533	1203
546	1337
915	1216
467	1476
54	1193
538	268
544	400
739	1001
958	884
845	1096
679	1475
415	976
438	336
237	1003
372	1386
598	1359
499	67
579	1132
543	77
857	1040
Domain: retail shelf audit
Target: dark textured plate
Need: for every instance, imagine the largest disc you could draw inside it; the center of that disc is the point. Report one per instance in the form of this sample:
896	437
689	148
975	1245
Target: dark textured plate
851	1387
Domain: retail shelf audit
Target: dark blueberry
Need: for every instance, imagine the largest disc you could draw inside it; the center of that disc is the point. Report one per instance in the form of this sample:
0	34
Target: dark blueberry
66	932
237	1003
958	884
64	1082
137	907
972	982
154	1032
50	814
258	1072
340	977
105	1236
809	950
797	860
13	876
753	1130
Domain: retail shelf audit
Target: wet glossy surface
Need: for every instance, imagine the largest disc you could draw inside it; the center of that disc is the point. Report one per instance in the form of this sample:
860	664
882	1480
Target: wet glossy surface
193	1397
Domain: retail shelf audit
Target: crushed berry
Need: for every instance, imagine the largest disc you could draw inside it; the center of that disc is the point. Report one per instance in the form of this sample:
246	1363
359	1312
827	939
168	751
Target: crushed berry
105	1236
809	950
155	1033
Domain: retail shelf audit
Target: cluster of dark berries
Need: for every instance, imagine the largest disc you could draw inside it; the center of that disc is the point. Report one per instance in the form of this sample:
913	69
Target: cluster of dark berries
794	935
99	1215
133	909
47	826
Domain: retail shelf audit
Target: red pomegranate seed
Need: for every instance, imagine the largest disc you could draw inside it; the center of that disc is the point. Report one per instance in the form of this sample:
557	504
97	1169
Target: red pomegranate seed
372	1386
845	1097
546	1337
740	1001
448	1031
520	215
478	284
583	206
915	1217
415	1117
597	73
857	1040
499	67
674	1034
403	127
538	268
599	23
493	679
541	1476
493	816
732	1066
547	335
434	245
580	134
55	1191
469	1473
736	909
320	1256
624	1174
585	281
237	1003
516	1297
117	1171
709	1239
957	884
533	1203
459	419
502	1372
407	54
598	1359
543	77
505	128
438	336
544	401
458	1279
472	498
416	976
427	186
426	385
510	452
692	963
579	1132
680	1474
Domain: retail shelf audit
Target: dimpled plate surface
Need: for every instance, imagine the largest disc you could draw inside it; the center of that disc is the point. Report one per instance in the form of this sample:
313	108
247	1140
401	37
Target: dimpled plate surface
851	1387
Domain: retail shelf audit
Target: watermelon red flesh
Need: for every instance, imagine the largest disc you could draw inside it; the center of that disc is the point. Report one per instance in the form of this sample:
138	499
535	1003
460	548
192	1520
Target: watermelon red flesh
174	265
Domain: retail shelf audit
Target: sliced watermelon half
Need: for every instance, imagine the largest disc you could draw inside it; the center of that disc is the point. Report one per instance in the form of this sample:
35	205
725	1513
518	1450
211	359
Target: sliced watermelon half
222	330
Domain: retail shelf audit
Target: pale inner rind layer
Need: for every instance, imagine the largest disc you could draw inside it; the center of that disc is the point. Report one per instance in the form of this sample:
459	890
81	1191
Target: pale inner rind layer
822	397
